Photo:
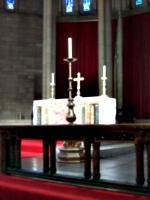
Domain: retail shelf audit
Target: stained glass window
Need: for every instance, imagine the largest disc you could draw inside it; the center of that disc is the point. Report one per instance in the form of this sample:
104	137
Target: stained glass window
138	2
10	4
86	5
69	6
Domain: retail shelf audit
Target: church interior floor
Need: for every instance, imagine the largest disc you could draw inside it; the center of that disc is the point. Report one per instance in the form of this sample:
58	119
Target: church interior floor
119	169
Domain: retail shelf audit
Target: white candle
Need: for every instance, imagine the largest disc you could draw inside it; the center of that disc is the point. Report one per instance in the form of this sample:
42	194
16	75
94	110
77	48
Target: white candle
104	71
52	78
69	47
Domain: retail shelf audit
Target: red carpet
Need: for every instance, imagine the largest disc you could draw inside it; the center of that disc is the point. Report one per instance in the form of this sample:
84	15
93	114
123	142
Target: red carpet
17	188
33	148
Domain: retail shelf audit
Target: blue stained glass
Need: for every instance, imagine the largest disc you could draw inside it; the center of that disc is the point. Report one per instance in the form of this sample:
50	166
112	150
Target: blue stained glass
138	2
10	4
86	5
69	6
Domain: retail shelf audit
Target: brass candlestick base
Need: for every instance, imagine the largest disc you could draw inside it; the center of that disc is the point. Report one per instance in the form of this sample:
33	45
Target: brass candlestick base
71	152
71	117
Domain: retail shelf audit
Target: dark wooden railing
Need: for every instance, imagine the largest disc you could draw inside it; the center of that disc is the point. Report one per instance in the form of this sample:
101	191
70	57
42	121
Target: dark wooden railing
11	136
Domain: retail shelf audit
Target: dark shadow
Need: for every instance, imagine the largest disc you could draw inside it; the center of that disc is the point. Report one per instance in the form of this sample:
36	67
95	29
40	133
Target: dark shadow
126	114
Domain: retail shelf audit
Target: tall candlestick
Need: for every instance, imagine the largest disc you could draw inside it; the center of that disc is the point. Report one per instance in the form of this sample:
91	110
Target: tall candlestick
52	78
69	47
104	71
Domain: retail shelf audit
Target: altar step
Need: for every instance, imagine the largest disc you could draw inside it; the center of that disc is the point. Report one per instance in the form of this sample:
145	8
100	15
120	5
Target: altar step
115	149
107	150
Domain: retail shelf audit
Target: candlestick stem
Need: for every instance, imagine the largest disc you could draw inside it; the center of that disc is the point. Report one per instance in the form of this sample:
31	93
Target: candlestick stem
71	117
52	90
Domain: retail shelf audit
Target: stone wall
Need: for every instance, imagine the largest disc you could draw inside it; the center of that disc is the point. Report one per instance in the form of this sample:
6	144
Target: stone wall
20	59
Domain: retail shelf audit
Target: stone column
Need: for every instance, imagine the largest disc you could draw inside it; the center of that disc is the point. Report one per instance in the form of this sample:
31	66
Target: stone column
105	44
49	45
118	59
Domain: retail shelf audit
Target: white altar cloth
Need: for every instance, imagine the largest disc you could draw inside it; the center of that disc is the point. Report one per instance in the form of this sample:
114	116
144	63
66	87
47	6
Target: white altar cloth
88	110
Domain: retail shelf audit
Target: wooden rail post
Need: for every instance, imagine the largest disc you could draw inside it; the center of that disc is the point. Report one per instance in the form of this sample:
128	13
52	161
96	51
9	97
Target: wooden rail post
3	150
139	146
87	158
96	160
53	156
18	153
12	139
148	160
46	168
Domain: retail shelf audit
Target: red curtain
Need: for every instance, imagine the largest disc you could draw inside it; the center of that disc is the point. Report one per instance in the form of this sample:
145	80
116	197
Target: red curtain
85	48
136	63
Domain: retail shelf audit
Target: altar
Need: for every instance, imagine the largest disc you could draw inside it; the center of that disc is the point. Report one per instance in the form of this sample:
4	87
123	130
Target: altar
78	110
88	110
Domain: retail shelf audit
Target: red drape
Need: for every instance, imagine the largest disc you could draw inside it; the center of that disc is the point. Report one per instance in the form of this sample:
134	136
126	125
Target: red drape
136	63
85	48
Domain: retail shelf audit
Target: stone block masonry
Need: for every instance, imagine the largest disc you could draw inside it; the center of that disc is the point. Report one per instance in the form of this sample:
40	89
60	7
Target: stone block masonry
20	60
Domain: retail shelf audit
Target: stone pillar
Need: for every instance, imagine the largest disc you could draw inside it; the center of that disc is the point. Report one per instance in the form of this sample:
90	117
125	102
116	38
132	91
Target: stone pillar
105	44
49	45
118	59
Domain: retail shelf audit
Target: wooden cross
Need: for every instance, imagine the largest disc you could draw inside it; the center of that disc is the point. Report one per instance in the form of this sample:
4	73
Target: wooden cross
78	79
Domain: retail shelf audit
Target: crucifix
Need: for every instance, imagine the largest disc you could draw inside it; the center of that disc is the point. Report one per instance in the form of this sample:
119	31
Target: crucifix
78	79
104	78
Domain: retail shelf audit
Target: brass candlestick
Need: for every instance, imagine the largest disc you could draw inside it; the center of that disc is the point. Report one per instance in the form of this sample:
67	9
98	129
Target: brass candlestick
71	152
71	117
